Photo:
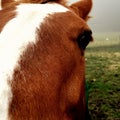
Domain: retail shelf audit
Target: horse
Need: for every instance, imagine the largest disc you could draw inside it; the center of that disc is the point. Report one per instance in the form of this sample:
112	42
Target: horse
42	59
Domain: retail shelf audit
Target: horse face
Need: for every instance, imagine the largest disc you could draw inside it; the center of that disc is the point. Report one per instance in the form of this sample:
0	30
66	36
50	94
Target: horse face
70	36
46	70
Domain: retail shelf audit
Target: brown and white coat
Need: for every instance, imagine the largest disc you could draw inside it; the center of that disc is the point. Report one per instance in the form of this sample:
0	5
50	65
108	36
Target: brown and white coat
42	66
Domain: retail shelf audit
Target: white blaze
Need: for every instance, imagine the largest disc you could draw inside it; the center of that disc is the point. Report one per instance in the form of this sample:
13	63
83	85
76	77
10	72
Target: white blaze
14	38
0	4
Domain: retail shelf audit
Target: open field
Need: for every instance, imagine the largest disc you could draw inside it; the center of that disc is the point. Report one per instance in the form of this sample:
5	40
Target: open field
103	77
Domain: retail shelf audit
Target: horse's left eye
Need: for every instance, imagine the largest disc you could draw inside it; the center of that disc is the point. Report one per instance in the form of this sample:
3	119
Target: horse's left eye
84	39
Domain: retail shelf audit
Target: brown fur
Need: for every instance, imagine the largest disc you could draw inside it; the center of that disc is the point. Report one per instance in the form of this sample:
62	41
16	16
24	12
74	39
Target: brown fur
7	16
41	1
6	3
50	84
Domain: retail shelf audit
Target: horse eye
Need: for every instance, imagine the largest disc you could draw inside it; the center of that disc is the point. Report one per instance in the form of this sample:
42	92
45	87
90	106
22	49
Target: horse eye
84	39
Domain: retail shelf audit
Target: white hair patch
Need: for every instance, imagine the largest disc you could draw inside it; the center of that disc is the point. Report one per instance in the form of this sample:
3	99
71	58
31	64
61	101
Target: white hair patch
14	38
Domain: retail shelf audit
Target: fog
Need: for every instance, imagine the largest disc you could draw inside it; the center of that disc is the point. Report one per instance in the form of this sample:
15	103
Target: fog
105	16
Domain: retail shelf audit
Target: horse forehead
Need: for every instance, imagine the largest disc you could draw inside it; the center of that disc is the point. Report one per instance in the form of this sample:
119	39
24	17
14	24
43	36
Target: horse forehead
14	39
21	30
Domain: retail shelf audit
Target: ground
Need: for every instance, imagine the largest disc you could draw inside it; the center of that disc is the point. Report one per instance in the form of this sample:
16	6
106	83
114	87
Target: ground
103	77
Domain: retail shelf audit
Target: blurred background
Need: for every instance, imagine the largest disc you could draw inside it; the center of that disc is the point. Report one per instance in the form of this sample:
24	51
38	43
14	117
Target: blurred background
103	61
106	16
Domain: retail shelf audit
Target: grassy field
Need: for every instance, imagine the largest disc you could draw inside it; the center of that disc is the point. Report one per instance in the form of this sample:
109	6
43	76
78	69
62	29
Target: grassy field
103	77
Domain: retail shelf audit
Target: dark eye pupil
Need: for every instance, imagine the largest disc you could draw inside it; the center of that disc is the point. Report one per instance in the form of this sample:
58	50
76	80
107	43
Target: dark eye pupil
84	39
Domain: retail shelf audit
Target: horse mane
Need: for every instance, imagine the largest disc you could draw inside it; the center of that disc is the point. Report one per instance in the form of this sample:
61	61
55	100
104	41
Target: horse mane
7	3
42	1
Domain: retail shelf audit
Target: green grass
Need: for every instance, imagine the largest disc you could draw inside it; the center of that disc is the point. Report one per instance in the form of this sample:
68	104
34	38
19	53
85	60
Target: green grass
103	77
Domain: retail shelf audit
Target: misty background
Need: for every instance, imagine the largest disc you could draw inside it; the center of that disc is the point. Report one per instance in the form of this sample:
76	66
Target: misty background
105	16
